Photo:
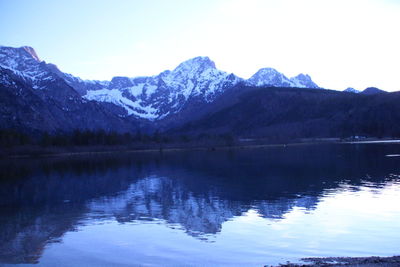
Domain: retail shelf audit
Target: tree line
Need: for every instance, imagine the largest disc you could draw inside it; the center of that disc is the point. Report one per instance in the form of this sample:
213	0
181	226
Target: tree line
12	138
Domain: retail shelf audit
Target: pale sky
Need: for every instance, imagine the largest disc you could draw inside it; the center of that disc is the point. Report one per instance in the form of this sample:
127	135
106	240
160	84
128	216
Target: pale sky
340	43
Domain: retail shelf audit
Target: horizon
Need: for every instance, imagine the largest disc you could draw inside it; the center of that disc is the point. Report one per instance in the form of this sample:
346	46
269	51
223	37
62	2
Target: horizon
353	40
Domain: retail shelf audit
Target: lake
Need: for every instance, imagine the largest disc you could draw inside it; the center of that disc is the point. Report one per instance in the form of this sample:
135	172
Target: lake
245	207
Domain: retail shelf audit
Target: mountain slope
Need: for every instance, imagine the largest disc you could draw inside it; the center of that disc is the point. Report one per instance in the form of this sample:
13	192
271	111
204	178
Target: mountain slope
286	113
372	91
53	107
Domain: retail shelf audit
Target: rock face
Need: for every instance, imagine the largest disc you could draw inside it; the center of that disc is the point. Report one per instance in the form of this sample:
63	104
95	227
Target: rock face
150	98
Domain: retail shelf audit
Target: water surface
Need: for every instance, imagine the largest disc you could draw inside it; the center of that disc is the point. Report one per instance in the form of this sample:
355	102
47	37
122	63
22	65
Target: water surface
241	207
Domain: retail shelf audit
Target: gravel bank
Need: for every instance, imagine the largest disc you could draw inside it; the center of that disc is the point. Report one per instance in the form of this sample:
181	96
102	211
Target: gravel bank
347	261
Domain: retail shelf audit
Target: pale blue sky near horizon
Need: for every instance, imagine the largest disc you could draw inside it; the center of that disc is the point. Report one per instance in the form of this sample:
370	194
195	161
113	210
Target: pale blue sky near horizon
340	43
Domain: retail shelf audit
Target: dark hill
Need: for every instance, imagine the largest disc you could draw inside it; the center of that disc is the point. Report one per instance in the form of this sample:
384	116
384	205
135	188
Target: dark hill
372	91
287	113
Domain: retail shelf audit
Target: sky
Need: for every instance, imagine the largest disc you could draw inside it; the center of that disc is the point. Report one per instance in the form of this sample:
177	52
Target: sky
340	43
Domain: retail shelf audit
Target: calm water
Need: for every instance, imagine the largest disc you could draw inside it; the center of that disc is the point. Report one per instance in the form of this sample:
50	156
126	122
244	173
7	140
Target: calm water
244	207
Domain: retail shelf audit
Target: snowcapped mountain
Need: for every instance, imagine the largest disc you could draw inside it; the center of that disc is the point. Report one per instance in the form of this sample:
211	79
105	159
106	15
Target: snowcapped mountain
272	77
25	63
303	81
155	97
151	98
33	98
269	77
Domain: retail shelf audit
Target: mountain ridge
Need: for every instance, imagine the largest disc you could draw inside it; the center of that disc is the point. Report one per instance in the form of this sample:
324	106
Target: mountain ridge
148	97
193	98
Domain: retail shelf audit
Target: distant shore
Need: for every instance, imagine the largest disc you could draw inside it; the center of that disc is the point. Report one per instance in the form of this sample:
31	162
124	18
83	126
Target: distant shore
59	152
372	261
37	151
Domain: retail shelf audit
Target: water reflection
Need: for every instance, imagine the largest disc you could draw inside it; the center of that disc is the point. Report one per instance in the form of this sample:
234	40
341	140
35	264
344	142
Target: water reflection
194	192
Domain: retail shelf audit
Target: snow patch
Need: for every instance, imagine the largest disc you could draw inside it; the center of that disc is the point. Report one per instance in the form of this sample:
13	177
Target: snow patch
115	96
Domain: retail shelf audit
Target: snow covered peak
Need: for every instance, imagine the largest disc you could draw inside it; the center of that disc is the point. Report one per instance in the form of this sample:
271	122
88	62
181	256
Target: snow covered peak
269	77
302	76
12	54
267	72
199	77
31	52
25	63
18	59
272	77
197	64
303	81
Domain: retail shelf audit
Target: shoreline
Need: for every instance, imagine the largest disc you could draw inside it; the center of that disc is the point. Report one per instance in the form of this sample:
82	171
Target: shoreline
372	261
151	150
66	152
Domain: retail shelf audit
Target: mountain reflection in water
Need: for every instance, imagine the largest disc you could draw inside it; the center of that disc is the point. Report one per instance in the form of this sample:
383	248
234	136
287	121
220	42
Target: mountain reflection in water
194	192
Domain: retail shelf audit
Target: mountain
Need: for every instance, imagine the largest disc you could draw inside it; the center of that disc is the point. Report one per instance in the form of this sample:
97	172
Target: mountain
288	113
303	81
150	98
156	97
193	98
351	90
272	77
25	63
35	99
367	91
372	91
